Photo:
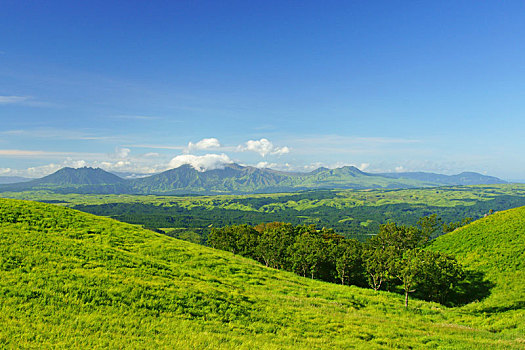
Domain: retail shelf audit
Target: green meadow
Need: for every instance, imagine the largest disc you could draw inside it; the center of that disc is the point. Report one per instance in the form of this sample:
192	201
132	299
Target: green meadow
74	280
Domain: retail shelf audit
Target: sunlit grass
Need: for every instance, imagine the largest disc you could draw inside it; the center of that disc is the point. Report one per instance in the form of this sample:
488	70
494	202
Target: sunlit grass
73	280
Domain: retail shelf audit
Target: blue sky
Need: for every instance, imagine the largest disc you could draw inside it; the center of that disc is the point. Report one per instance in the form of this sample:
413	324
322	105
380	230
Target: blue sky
385	85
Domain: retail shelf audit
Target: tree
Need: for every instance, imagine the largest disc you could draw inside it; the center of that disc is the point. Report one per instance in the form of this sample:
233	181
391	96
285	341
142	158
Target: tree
430	226
248	239
378	264
433	275
408	270
348	261
308	253
399	237
442	274
273	243
225	238
455	225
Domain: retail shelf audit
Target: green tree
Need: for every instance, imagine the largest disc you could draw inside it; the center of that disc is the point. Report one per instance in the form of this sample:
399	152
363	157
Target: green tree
378	264
442	274
409	271
430	226
307	253
455	225
273	243
399	237
225	238
348	261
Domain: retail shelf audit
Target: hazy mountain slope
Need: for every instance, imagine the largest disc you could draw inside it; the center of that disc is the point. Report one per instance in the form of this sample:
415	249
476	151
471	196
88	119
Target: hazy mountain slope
463	179
70	180
232	179
237	179
13	179
73	280
494	245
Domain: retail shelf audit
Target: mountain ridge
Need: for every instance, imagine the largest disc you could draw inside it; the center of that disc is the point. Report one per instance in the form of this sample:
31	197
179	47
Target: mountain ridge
237	179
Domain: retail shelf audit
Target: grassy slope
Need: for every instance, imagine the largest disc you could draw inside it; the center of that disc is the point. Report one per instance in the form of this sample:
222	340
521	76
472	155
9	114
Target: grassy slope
70	280
494	245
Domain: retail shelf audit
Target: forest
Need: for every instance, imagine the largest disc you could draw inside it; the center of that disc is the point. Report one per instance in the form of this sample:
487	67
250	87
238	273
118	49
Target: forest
394	259
354	214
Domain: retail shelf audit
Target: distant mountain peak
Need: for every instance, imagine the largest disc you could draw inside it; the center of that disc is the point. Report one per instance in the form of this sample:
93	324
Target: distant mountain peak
237	179
81	176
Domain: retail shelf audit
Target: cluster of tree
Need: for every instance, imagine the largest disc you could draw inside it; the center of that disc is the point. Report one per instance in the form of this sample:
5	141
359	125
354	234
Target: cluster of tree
303	249
393	259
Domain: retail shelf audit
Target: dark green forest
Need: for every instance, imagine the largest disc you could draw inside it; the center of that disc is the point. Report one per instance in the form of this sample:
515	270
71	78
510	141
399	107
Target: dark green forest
359	222
394	259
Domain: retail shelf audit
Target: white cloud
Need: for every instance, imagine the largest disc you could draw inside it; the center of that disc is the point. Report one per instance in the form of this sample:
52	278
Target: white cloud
264	165
43	170
400	169
122	152
119	165
151	155
13	99
203	144
364	166
201	163
263	147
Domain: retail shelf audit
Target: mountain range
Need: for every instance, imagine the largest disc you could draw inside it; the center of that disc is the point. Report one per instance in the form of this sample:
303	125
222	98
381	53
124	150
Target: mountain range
237	179
13	179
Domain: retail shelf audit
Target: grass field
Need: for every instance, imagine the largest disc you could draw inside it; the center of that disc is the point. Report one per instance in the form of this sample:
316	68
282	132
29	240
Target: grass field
73	280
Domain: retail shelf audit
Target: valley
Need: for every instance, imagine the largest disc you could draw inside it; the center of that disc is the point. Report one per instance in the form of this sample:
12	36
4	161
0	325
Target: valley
352	213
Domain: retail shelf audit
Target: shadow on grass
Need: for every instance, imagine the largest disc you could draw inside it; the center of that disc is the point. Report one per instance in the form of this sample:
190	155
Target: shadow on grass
518	305
473	288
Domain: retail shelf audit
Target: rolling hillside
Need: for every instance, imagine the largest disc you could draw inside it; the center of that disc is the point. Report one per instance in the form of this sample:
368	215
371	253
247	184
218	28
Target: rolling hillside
74	280
495	246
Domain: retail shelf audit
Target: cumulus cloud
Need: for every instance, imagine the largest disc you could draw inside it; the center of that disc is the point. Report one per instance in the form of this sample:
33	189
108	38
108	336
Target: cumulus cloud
201	163
266	165
263	147
203	144
122	152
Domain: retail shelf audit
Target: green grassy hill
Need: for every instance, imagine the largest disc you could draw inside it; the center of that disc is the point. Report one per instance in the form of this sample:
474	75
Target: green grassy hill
495	246
73	280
